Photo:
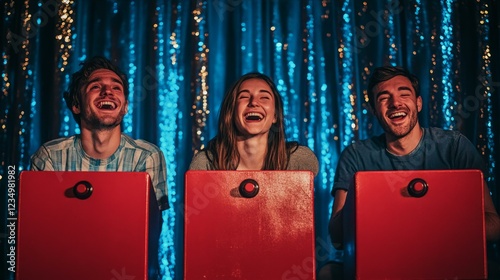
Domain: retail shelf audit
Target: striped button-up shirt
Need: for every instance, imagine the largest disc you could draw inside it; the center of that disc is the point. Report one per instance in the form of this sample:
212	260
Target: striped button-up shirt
67	154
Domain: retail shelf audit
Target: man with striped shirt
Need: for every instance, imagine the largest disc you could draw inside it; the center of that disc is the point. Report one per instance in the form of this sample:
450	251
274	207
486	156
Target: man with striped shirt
97	97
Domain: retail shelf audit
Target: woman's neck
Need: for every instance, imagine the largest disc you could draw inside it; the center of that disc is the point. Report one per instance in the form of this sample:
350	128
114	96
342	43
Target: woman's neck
252	152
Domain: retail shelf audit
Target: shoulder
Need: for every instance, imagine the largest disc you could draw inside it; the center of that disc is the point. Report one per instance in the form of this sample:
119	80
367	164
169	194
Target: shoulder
60	143
373	144
200	161
438	133
51	153
302	151
303	158
48	148
456	148
445	137
139	144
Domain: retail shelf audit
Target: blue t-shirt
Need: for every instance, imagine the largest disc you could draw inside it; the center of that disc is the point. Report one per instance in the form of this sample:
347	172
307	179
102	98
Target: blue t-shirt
438	149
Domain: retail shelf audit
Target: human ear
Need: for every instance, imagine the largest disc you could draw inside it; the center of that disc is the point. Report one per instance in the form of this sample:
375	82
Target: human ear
419	104
76	108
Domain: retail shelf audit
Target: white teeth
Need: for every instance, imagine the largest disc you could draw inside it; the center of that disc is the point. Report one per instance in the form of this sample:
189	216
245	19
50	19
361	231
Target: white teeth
254	115
108	104
398	114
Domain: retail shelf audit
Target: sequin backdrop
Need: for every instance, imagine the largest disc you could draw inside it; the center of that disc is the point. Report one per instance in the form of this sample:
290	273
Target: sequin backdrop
181	56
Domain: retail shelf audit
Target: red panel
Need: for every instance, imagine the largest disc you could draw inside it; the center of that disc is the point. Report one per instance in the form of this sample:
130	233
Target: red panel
102	237
393	235
269	236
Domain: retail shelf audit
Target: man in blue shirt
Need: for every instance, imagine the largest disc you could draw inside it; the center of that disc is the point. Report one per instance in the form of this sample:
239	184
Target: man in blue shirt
394	97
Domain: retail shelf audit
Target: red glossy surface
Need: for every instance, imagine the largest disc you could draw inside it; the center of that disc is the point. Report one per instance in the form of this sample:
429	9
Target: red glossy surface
269	236
392	235
102	237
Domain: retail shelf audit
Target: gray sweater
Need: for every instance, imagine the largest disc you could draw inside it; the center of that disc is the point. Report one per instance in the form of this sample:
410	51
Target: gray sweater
301	159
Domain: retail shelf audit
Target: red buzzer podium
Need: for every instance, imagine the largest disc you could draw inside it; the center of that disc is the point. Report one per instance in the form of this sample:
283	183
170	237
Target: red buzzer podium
86	225
249	225
415	225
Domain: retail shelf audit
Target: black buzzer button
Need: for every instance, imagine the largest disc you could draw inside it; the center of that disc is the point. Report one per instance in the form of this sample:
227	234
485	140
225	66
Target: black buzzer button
417	187
249	188
83	190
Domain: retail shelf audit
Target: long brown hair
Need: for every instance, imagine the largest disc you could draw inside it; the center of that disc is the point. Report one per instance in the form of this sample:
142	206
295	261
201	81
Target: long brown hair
222	151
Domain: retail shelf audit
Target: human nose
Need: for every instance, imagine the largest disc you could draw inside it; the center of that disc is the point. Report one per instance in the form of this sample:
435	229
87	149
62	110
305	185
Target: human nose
106	90
395	102
253	102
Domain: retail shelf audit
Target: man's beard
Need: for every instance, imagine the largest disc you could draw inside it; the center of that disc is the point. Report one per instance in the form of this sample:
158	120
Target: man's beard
94	122
400	131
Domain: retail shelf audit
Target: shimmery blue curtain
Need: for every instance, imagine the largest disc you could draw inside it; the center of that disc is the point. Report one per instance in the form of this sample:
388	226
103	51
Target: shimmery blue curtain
181	56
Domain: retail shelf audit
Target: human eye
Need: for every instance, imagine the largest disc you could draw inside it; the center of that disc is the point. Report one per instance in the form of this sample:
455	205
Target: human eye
382	97
94	86
243	95
266	96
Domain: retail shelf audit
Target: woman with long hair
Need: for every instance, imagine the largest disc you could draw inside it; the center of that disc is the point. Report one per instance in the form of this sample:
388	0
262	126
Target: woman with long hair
251	134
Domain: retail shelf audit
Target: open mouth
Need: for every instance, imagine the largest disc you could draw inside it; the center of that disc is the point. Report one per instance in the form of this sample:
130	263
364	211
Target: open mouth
397	116
106	105
253	116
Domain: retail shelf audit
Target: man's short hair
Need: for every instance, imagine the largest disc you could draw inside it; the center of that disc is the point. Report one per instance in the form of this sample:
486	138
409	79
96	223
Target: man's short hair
79	80
384	73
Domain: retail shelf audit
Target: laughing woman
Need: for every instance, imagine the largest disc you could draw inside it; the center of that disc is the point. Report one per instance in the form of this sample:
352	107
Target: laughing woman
251	134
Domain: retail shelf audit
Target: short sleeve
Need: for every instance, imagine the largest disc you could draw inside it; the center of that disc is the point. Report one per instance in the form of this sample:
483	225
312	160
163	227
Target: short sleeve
157	170
346	168
200	162
40	160
304	158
